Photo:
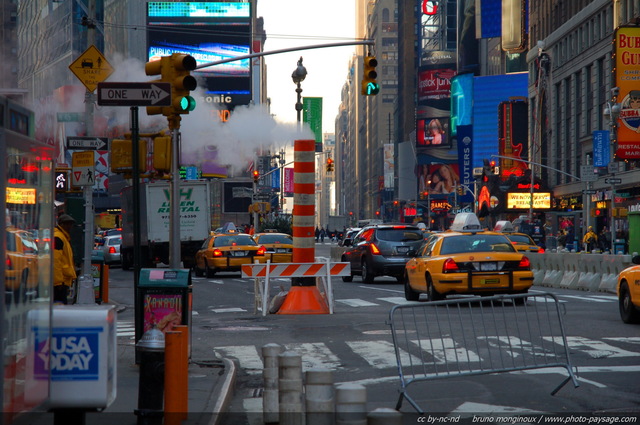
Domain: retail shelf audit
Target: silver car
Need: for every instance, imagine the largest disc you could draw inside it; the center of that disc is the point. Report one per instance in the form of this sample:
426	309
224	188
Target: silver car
111	249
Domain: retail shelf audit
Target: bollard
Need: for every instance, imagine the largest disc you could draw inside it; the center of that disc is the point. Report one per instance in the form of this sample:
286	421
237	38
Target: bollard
319	397
351	404
384	416
184	369
270	410
290	388
151	382
173	401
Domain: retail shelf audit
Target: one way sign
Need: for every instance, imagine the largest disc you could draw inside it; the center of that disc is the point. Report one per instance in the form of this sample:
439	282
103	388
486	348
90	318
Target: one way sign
134	94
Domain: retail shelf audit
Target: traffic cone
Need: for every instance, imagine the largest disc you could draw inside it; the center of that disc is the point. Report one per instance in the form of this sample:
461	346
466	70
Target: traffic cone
304	300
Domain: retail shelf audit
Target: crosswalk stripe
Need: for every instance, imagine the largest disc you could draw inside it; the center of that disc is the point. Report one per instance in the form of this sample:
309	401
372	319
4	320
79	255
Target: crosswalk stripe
595	349
446	350
356	302
247	356
397	300
380	354
315	355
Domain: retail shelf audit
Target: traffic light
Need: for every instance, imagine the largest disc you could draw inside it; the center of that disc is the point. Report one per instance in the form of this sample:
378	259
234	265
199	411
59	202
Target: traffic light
598	212
370	86
122	156
162	153
176	70
495	169
256	176
329	165
460	190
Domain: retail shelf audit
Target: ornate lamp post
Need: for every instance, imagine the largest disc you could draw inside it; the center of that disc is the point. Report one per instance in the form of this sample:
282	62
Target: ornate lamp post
298	76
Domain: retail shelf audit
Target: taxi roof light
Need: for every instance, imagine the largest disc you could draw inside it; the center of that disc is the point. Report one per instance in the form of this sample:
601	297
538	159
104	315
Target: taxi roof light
503	226
466	222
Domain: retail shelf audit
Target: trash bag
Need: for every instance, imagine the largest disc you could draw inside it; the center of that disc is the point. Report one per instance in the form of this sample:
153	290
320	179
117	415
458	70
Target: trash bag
277	301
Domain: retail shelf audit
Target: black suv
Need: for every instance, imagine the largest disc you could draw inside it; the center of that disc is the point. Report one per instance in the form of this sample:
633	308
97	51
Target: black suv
381	250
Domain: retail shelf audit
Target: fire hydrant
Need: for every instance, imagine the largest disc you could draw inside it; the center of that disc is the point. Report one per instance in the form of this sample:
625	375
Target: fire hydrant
151	383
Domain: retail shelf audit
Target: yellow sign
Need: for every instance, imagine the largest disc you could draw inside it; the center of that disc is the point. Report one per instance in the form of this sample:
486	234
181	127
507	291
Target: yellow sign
82	159
522	200
21	195
91	68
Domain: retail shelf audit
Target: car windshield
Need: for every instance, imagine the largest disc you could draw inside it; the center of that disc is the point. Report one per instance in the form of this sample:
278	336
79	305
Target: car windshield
232	240
521	239
475	243
283	239
400	235
115	241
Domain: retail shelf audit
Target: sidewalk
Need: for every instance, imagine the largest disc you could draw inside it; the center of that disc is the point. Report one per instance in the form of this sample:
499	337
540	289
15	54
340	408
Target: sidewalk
211	385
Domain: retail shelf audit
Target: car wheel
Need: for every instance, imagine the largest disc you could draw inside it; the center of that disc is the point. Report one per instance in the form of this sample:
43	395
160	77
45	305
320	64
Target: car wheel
433	294
347	278
209	272
367	275
628	312
198	272
409	293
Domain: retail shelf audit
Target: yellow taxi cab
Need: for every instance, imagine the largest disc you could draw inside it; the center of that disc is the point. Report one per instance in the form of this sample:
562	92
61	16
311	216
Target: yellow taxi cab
521	241
279	246
21	264
628	290
466	260
227	252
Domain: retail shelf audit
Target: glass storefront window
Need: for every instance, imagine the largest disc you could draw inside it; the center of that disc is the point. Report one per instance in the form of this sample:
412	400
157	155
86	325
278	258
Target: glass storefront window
28	210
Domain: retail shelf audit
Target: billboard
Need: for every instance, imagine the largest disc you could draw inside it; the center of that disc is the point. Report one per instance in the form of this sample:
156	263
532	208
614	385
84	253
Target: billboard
513	138
433	132
438	179
627	46
210	32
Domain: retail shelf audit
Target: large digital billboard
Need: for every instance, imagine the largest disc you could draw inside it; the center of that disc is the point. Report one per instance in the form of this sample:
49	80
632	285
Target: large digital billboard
210	32
627	43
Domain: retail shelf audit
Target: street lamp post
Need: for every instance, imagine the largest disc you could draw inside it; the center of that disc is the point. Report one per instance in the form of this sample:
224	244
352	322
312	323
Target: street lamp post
298	76
611	113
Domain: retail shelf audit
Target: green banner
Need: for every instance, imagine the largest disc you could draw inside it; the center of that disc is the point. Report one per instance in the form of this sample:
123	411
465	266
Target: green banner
312	114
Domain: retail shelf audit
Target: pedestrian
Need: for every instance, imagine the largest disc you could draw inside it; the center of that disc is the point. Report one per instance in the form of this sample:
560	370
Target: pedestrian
317	233
604	239
323	233
590	240
64	270
562	239
252	230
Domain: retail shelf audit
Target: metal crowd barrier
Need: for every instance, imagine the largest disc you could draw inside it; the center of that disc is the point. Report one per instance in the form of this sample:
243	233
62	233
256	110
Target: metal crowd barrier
478	335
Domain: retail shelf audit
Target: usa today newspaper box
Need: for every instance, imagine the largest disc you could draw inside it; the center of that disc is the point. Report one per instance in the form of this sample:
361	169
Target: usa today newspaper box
82	356
165	295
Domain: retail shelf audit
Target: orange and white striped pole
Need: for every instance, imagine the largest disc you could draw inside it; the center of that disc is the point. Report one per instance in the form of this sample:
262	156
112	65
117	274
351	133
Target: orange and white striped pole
304	206
304	296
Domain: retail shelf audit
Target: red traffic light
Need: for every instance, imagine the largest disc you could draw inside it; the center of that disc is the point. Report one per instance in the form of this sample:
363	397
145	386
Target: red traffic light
256	175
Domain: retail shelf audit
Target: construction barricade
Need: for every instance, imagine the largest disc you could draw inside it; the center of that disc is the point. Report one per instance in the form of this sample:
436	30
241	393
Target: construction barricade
322	271
475	336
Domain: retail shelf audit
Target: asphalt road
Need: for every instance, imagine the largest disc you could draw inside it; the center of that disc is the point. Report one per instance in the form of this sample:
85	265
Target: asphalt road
355	342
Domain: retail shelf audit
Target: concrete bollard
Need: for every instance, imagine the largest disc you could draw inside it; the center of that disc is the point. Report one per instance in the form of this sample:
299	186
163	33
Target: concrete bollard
290	388
351	404
270	409
384	416
319	397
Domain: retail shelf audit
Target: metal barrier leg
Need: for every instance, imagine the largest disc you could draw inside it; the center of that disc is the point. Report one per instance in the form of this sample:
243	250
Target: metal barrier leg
571	377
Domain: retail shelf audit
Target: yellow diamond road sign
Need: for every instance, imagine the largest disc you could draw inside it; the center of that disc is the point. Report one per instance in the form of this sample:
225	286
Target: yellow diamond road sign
91	68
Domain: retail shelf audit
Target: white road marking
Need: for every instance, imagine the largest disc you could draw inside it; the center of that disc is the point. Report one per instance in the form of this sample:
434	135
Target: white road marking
247	356
589	299
398	301
380	354
315	355
356	302
628	340
446	350
596	349
370	288
228	310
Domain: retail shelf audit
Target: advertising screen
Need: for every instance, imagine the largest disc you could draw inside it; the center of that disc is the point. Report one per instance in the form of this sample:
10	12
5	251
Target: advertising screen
210	32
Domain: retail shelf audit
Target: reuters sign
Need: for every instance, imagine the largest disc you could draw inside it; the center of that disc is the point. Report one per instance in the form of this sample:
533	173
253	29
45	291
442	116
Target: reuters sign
627	45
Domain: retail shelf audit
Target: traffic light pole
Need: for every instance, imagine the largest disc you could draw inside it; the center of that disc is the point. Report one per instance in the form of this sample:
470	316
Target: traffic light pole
174	210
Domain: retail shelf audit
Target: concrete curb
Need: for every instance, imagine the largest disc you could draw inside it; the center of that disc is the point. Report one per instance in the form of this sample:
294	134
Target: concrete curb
225	393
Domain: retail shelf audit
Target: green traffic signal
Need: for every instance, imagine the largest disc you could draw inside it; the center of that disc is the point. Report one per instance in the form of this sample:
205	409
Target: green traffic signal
372	89
187	103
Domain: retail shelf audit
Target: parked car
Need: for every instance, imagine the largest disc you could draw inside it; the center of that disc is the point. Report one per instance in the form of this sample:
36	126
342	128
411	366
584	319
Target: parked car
227	252
466	260
628	292
111	249
381	250
279	246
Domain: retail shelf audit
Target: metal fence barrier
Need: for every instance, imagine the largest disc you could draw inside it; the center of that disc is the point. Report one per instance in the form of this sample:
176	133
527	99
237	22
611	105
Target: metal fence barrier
478	335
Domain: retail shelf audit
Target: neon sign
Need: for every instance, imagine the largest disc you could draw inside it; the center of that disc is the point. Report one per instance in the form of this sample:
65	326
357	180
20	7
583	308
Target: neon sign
429	7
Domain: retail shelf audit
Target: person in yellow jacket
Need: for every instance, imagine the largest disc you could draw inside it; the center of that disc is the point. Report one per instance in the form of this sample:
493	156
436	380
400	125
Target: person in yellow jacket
590	239
64	270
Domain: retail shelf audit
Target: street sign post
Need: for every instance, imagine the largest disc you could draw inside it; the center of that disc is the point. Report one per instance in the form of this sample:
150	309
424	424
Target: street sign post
83	168
613	181
587	174
134	94
87	143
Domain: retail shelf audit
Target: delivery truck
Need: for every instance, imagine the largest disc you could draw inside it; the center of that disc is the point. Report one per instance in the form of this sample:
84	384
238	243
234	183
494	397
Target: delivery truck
195	222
